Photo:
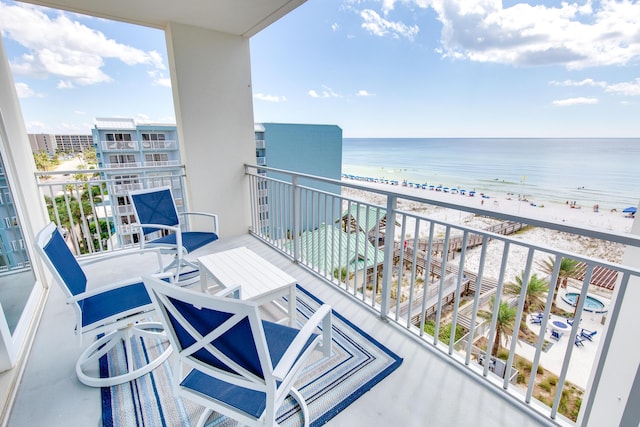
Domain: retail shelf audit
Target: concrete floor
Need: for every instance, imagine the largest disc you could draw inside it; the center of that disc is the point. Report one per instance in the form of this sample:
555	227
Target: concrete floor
427	389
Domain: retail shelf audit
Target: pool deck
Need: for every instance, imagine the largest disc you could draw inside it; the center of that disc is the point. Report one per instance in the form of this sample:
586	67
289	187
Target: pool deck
582	358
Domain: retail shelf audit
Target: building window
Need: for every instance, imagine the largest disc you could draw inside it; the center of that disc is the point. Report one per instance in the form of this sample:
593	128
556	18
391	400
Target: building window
17	245
10	222
122	159
118	136
153	137
156	158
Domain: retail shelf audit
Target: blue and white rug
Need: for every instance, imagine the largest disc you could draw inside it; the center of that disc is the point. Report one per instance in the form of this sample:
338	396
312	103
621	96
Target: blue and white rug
328	385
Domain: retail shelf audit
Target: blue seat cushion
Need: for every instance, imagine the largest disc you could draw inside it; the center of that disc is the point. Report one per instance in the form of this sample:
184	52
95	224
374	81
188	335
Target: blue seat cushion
279	338
191	240
112	302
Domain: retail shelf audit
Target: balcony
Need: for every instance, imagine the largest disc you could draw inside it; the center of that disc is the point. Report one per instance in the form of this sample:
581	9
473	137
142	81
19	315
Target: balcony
388	294
160	145
122	165
119	145
162	163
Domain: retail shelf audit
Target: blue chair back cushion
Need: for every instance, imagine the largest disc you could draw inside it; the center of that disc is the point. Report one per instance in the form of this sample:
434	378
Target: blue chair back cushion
236	343
155	208
66	264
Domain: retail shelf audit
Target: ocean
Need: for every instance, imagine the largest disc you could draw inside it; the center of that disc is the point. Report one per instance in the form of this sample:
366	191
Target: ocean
588	171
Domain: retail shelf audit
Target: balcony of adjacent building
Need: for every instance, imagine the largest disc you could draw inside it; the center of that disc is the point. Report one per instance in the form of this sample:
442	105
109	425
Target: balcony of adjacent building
404	278
160	145
119	146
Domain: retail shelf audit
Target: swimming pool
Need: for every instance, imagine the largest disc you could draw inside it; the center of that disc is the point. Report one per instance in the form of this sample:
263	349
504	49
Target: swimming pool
591	304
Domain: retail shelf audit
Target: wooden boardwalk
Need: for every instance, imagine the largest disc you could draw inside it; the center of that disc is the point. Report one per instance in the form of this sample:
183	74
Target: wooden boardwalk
470	279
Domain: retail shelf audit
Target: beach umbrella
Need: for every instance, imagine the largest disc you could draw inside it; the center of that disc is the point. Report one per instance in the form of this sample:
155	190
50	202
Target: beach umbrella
630	209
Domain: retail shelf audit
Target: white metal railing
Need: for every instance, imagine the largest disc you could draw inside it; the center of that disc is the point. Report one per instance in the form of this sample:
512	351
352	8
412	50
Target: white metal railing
119	145
92	217
127	165
407	268
168	144
162	163
260	144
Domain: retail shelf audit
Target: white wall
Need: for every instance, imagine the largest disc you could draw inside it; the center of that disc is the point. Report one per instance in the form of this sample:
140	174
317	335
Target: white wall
211	82
622	358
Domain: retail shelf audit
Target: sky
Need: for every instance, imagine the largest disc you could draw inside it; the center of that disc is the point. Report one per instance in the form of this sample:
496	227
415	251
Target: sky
376	68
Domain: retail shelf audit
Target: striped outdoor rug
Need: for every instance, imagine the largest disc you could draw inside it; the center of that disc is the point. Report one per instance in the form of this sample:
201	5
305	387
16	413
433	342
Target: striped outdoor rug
328	385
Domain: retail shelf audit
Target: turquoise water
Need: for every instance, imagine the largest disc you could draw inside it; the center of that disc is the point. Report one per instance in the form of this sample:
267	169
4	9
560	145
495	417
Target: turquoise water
591	304
587	171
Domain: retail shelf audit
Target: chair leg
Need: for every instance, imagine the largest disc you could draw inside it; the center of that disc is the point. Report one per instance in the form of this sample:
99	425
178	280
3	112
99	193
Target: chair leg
303	405
86	364
204	417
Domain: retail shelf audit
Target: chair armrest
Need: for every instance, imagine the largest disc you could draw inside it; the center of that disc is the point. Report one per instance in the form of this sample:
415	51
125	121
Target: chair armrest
172	228
117	254
120	284
323	314
214	217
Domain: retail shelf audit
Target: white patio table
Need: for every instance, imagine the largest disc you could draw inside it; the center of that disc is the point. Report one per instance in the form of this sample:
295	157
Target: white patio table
259	280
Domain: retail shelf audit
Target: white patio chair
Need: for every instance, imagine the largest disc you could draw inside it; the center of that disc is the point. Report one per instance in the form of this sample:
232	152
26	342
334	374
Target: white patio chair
228	359
156	211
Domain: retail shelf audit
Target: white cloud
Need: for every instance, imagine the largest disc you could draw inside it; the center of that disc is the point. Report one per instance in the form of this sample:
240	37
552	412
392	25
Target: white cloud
159	78
575	83
631	88
65	84
364	93
335	26
327	92
269	98
575	101
376	25
575	34
67	49
625	88
24	91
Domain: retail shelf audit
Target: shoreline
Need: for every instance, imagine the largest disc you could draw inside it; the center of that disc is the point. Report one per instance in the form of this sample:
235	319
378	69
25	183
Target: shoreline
601	219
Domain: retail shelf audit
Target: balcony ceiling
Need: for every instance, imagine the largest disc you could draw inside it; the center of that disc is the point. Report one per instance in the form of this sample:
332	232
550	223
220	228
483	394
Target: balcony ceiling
237	17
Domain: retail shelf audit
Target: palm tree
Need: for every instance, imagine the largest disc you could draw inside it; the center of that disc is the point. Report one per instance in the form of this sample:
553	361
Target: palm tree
568	268
504	323
536	291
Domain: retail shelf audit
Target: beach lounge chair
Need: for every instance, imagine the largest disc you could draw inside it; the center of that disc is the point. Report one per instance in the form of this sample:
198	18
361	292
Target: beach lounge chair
579	341
536	318
229	360
167	229
119	312
585	333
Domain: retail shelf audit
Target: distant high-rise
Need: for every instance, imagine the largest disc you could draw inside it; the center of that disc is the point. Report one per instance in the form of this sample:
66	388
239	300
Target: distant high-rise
129	156
304	148
53	144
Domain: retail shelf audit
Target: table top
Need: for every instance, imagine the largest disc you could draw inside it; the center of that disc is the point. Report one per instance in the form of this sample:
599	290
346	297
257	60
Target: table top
240	266
559	324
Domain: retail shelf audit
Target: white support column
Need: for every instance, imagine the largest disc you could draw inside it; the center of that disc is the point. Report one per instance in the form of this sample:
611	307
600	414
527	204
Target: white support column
211	83
615	401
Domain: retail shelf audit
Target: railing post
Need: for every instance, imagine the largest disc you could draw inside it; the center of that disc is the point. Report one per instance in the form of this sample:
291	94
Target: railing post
296	219
387	273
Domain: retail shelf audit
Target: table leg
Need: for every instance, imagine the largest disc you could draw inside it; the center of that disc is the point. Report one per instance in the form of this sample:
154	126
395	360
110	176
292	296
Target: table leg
292	305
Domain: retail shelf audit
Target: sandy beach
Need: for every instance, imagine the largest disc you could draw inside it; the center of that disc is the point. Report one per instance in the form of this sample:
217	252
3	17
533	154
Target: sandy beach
583	216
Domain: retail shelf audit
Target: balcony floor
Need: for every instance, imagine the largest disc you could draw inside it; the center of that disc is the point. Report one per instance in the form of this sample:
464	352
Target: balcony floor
427	389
